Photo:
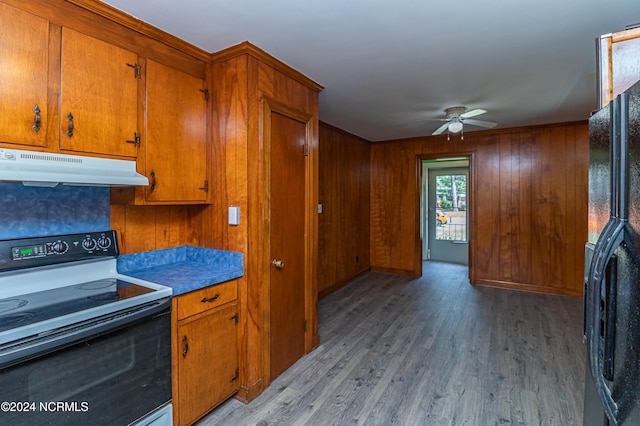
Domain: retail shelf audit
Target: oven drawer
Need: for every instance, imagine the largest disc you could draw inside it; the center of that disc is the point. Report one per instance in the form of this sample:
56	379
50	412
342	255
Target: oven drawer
207	298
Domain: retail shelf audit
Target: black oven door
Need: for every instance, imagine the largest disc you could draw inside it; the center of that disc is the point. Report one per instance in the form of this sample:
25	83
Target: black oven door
111	379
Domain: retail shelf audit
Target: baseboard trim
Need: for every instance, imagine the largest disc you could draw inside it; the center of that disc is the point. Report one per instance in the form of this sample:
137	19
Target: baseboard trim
247	394
531	288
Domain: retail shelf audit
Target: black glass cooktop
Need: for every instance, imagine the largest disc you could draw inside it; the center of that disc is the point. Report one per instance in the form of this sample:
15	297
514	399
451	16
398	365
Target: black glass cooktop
24	310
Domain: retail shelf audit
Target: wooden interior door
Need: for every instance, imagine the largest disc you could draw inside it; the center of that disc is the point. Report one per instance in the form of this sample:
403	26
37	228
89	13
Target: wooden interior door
287	281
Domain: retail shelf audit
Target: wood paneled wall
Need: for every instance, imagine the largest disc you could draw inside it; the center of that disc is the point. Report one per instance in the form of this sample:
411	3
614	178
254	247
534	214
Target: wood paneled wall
529	205
343	225
142	228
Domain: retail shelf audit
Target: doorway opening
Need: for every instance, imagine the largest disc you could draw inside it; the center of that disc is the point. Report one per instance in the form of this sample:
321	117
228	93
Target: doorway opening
444	209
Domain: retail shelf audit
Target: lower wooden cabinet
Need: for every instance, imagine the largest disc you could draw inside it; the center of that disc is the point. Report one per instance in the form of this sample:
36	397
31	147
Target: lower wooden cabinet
205	351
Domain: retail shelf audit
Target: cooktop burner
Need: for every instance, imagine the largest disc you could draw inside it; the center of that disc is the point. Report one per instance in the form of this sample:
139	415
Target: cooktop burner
14	320
56	283
11	304
43	305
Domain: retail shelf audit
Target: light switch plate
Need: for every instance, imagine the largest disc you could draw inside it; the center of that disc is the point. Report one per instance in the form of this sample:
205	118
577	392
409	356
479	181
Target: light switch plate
234	215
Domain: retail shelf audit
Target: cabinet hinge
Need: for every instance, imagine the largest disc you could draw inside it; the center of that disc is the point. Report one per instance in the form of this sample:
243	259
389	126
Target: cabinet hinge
305	326
135	140
235	318
137	70
205	186
306	149
206	94
234	378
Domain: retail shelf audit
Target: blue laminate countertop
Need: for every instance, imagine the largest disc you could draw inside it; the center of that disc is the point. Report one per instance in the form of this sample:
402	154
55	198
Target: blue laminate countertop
184	268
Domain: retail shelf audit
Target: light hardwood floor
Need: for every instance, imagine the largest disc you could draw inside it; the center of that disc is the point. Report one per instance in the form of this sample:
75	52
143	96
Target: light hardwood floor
431	351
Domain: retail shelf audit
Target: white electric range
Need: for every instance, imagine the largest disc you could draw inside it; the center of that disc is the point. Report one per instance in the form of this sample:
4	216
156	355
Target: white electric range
76	333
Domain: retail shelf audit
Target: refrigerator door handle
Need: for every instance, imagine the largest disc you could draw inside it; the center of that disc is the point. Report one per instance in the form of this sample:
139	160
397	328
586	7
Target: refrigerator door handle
607	246
596	259
609	342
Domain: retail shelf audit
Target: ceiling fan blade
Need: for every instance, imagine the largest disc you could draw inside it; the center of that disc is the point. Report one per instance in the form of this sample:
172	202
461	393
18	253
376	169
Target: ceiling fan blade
480	123
440	129
473	113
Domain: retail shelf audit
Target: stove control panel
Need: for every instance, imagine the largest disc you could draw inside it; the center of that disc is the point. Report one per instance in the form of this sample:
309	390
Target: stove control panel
40	251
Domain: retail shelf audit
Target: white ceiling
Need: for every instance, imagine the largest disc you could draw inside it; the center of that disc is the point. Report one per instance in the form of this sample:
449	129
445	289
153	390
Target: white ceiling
388	65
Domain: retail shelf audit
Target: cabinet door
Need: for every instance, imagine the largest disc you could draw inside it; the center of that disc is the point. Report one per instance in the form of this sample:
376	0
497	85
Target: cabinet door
207	362
24	60
98	109
175	149
619	68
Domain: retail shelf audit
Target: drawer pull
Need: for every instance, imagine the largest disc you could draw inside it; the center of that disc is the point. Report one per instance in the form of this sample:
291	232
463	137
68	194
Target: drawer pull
185	345
210	299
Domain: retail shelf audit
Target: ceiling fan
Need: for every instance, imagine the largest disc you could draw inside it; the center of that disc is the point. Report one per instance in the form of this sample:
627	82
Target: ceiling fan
458	116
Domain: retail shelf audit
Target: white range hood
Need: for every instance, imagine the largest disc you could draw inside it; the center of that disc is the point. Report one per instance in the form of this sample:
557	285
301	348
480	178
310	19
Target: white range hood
33	168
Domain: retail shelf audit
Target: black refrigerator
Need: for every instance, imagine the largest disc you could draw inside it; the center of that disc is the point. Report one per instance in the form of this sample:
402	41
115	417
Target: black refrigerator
612	265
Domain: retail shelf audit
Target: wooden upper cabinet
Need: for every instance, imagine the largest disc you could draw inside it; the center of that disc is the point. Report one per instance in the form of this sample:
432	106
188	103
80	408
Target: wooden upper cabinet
99	95
619	67
175	136
24	61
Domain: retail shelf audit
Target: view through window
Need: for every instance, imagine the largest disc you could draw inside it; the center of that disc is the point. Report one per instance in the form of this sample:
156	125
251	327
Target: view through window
451	207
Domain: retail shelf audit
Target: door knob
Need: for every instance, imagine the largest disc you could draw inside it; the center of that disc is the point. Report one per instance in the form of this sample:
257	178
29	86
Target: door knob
279	264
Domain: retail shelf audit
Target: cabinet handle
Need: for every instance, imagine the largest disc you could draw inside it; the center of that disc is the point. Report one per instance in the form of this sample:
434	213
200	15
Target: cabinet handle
70	129
185	345
210	299
36	120
152	186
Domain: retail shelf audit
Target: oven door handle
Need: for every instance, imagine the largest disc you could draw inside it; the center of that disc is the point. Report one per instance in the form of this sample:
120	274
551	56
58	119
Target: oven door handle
31	347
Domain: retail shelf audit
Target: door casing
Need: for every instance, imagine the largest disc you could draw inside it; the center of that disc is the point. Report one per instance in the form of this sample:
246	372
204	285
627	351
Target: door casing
420	176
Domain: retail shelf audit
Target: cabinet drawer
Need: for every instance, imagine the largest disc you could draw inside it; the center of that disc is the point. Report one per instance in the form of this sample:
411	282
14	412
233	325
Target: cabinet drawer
209	297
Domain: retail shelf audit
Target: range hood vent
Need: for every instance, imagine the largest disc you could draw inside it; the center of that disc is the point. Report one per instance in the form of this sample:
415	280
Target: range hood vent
33	168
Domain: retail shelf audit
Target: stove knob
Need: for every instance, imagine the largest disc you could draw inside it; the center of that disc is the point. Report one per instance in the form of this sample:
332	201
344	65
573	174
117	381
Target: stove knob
88	243
104	242
60	247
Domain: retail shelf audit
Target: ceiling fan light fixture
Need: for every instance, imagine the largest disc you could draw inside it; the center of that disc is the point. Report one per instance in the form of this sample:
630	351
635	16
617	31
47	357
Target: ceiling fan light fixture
455	126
